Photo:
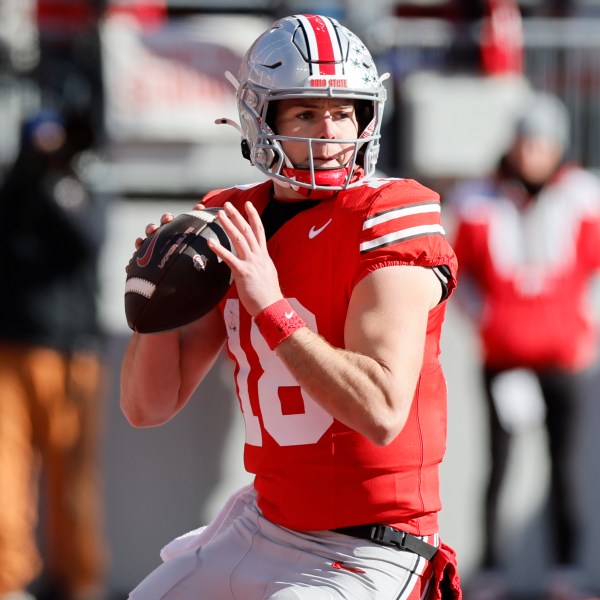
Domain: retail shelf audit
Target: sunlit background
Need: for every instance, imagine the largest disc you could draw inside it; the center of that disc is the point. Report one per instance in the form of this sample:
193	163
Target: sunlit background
150	75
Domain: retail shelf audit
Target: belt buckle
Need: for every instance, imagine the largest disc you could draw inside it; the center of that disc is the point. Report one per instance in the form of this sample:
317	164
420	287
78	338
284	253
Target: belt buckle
388	536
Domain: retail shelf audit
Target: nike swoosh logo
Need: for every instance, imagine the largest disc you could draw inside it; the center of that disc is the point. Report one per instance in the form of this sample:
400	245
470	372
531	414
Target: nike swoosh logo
313	233
289	315
143	260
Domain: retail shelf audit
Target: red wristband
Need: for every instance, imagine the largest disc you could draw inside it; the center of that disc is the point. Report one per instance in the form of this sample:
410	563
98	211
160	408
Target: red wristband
277	322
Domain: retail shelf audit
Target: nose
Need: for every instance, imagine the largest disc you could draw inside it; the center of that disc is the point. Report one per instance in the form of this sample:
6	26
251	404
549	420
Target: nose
327	127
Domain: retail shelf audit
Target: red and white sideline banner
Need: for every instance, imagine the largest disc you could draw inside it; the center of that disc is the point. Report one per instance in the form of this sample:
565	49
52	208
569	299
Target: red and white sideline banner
167	83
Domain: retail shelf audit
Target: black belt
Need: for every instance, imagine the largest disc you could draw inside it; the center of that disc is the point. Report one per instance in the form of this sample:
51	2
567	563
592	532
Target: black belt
389	536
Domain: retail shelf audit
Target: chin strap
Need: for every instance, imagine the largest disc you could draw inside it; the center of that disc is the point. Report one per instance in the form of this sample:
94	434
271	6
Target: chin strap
329	177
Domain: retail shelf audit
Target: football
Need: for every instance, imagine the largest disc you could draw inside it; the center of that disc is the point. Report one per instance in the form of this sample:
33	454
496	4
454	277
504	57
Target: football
174	278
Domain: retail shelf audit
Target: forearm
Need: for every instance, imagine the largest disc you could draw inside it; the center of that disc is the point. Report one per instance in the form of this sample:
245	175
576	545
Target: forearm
161	371
355	389
147	396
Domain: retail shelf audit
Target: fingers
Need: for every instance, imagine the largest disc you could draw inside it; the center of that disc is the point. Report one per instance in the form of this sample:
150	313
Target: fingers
251	227
246	235
255	223
237	228
252	268
152	227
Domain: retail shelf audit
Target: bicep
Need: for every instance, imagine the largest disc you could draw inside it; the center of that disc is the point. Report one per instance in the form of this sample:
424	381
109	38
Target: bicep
387	318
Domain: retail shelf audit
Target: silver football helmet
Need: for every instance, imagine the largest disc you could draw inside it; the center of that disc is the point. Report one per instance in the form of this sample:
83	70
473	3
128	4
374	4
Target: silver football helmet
312	56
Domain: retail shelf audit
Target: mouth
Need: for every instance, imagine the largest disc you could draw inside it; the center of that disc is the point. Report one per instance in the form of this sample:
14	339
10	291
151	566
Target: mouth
335	161
321	163
328	167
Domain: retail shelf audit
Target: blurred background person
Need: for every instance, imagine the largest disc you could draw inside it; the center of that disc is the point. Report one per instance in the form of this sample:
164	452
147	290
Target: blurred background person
51	371
528	243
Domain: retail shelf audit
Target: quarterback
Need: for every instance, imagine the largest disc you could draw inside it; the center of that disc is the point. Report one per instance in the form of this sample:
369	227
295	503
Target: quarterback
333	324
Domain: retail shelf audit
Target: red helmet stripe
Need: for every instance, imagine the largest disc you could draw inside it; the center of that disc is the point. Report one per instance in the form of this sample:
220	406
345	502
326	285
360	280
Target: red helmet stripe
323	43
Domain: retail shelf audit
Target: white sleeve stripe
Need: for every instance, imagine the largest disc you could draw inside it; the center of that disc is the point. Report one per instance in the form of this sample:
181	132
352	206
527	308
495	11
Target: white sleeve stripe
137	285
398	213
403	234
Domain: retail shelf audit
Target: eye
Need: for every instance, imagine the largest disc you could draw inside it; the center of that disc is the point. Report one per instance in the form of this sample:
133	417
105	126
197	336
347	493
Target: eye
344	112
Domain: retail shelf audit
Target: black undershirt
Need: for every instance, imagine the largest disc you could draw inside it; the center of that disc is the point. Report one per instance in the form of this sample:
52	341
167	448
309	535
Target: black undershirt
279	212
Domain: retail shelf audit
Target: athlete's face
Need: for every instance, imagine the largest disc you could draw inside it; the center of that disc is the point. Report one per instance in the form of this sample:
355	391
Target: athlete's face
319	118
535	159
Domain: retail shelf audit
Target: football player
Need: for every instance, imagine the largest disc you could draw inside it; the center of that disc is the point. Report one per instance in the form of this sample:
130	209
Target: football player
333	322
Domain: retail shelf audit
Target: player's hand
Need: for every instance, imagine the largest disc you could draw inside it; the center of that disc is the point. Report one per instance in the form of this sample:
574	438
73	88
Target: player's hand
152	227
165	218
253	270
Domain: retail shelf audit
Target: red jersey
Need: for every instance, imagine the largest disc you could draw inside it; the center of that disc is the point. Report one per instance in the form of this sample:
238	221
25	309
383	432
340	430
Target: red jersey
311	471
530	269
